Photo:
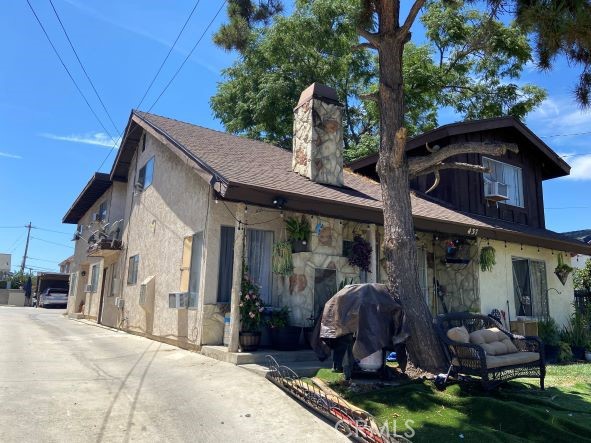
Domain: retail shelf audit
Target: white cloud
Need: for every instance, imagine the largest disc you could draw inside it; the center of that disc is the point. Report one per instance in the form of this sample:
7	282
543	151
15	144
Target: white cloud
580	167
7	155
97	139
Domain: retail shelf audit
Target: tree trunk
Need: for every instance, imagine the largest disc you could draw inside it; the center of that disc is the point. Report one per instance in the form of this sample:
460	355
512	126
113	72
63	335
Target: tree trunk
423	345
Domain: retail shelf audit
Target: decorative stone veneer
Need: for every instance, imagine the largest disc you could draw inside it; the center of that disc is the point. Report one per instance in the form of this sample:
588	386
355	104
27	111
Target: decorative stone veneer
460	280
326	249
318	142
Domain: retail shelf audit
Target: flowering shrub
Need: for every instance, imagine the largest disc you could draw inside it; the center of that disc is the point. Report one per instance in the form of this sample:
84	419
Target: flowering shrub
360	255
251	306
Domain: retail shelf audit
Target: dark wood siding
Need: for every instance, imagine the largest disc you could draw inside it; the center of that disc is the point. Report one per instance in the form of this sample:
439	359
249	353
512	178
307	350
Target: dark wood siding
464	190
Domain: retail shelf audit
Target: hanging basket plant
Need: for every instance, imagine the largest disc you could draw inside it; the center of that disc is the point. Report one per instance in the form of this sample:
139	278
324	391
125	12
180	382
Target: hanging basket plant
562	270
282	258
360	255
487	258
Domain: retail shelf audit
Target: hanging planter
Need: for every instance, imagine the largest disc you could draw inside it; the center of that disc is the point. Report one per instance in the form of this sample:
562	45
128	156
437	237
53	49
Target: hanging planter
298	232
562	270
487	258
282	258
360	255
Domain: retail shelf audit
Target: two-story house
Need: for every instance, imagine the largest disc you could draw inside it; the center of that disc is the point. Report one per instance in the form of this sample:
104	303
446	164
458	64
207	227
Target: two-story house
99	213
197	204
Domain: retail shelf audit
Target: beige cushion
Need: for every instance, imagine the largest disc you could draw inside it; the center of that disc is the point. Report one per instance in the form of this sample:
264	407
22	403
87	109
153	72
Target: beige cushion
516	358
459	334
493	341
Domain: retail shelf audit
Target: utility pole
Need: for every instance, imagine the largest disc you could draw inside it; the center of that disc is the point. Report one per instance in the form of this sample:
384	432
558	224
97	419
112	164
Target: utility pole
24	262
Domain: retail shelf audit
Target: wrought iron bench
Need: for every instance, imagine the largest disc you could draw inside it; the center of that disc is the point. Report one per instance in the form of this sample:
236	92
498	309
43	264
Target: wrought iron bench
468	358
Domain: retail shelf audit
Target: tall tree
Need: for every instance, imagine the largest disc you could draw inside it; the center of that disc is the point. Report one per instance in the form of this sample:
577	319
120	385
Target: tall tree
316	43
561	27
385	30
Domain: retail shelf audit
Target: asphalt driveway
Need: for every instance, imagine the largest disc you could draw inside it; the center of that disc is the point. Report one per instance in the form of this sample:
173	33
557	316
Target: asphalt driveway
63	380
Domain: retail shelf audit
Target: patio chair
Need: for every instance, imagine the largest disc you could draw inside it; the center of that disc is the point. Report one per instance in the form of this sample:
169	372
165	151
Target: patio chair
486	350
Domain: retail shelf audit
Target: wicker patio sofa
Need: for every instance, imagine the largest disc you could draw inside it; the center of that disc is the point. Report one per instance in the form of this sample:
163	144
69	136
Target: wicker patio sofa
486	350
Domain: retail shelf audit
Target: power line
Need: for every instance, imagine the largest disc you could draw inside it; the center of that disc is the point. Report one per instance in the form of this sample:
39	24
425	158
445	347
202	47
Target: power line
571	207
12	227
83	68
42	259
162	65
188	56
51	242
51	230
566	135
168	55
16	243
69	73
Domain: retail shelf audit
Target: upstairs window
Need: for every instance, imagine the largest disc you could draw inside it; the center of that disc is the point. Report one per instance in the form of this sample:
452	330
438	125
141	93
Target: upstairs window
102	212
506	174
146	174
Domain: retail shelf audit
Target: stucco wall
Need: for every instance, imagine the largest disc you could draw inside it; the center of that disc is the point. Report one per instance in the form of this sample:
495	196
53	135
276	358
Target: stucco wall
496	287
158	220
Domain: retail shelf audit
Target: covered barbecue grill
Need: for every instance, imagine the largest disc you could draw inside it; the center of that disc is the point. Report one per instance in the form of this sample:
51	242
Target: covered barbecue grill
367	311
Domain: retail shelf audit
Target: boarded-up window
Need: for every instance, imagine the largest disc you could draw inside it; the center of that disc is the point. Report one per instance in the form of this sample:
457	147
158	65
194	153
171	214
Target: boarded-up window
186	263
195	270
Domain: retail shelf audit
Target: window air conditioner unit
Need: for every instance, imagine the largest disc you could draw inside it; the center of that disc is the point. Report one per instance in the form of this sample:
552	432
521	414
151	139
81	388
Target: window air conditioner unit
178	300
88	288
496	191
147	289
119	302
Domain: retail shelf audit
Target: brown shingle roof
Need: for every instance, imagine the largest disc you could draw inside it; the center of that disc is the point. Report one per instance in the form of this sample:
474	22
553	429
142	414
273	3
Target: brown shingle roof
254	171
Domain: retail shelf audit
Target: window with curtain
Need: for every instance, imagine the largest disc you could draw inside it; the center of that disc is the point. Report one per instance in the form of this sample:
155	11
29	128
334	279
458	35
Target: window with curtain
195	271
509	175
226	265
259	247
530	288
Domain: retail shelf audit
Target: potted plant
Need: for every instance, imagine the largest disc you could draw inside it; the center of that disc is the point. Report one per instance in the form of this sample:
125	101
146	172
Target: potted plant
360	254
298	231
550	335
283	336
565	353
562	270
282	258
251	308
487	258
576	333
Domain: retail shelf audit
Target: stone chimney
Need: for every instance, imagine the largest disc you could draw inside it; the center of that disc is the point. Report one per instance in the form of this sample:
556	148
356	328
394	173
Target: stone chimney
318	136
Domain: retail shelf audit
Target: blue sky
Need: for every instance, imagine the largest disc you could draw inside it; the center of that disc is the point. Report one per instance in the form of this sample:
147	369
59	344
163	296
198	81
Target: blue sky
52	143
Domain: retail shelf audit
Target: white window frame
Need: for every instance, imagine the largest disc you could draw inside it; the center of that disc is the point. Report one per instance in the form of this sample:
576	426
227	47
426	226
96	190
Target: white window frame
521	202
132	269
142	173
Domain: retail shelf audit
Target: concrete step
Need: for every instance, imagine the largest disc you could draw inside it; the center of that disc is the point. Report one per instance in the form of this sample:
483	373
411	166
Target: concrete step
301	368
259	357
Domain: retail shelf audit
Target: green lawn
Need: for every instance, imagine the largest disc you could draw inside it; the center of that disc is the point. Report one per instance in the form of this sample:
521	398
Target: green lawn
517	412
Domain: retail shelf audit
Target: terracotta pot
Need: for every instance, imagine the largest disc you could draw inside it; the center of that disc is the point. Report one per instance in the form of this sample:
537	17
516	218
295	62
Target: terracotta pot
249	341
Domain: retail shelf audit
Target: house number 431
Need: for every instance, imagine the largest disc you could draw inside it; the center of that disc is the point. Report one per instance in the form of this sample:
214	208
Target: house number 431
472	231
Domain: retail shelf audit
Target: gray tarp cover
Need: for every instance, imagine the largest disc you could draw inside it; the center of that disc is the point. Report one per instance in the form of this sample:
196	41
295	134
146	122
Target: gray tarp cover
366	310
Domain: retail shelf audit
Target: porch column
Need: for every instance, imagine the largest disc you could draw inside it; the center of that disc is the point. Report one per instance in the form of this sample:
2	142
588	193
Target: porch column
373	276
237	277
